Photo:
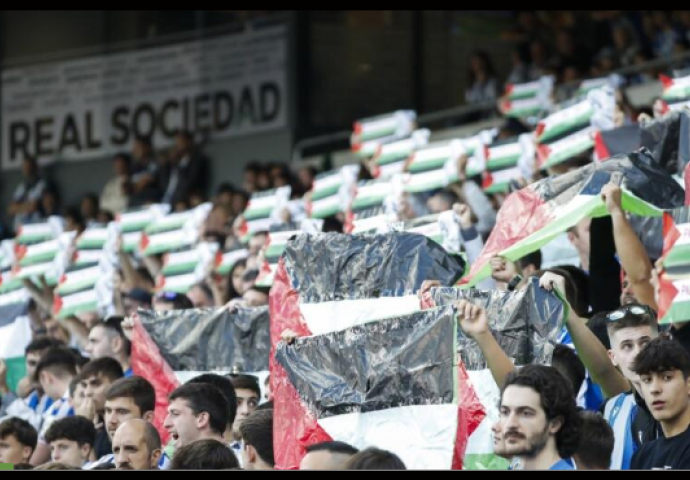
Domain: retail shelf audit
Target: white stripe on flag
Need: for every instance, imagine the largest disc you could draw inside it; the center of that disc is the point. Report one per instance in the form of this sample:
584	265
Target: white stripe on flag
15	337
329	317
423	436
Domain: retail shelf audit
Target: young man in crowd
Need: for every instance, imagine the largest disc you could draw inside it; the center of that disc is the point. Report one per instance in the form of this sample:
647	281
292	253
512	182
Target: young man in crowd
18	441
327	456
72	441
540	419
107	339
196	412
207	454
98	376
54	373
257	437
248	395
126	399
664	370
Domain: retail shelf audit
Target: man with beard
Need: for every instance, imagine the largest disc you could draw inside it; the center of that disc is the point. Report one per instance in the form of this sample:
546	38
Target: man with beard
540	419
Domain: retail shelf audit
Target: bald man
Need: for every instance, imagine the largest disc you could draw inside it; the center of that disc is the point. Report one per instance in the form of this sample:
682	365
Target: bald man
137	446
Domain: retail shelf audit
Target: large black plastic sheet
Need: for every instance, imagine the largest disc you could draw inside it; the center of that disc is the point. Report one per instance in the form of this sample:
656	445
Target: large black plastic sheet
638	172
330	266
402	361
667	139
525	323
211	339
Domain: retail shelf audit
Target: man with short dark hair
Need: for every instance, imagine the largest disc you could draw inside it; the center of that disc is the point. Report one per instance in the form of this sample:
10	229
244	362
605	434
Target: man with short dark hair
664	370
107	339
126	399
98	376
18	440
71	441
540	418
257	437
224	384
137	446
327	456
596	443
196	412
54	372
248	395
30	403
205	454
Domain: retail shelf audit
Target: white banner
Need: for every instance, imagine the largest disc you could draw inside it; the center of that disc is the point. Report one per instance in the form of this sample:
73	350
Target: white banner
89	108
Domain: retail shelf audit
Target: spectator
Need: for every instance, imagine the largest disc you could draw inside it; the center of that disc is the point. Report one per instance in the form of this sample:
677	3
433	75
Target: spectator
375	459
625	44
596	443
50	203
107	340
665	35
144	188
257	437
137	446
205	454
224	384
25	206
201	296
248	395
251	174
115	196
305	178
235	286
77	393
89	209
664	370
196	412
327	456
185	171
98	376
550	435
17	441
74	221
482	81
71	441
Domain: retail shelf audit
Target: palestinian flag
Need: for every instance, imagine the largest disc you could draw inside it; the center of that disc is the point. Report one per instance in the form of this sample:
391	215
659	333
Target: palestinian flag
521	91
260	209
267	275
8	283
433	179
565	122
7	255
369	220
279	236
229	259
533	216
88	257
392	158
675	89
15	335
39	232
187	261
370	133
137	220
167	344
182	283
371	194
390	384
332	192
674	282
328	283
527	325
79	278
566	148
528	107
502	165
85	301
51	270
93	238
28	255
440	228
593	84
154	244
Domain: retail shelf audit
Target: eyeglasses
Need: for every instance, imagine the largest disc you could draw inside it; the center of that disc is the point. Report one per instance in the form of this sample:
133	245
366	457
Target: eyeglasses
631	310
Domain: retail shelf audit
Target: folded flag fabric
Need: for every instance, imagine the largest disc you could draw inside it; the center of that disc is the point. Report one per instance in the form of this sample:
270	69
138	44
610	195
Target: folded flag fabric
533	216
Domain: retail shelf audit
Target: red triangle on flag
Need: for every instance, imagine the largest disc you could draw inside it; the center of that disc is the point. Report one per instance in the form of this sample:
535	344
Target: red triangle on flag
666	81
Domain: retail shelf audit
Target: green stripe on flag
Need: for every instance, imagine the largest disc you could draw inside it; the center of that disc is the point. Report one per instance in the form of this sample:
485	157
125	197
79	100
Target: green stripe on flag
498	187
524	95
485	461
679	256
90	244
502	163
6	467
523	112
367	202
180	268
36	259
77	309
567	154
135	227
11	286
573	125
37	238
378	133
327	212
325	192
430	164
258	213
74	287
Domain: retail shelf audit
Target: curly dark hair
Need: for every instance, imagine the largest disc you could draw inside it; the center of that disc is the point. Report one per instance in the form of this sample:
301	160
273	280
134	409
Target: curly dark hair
557	400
